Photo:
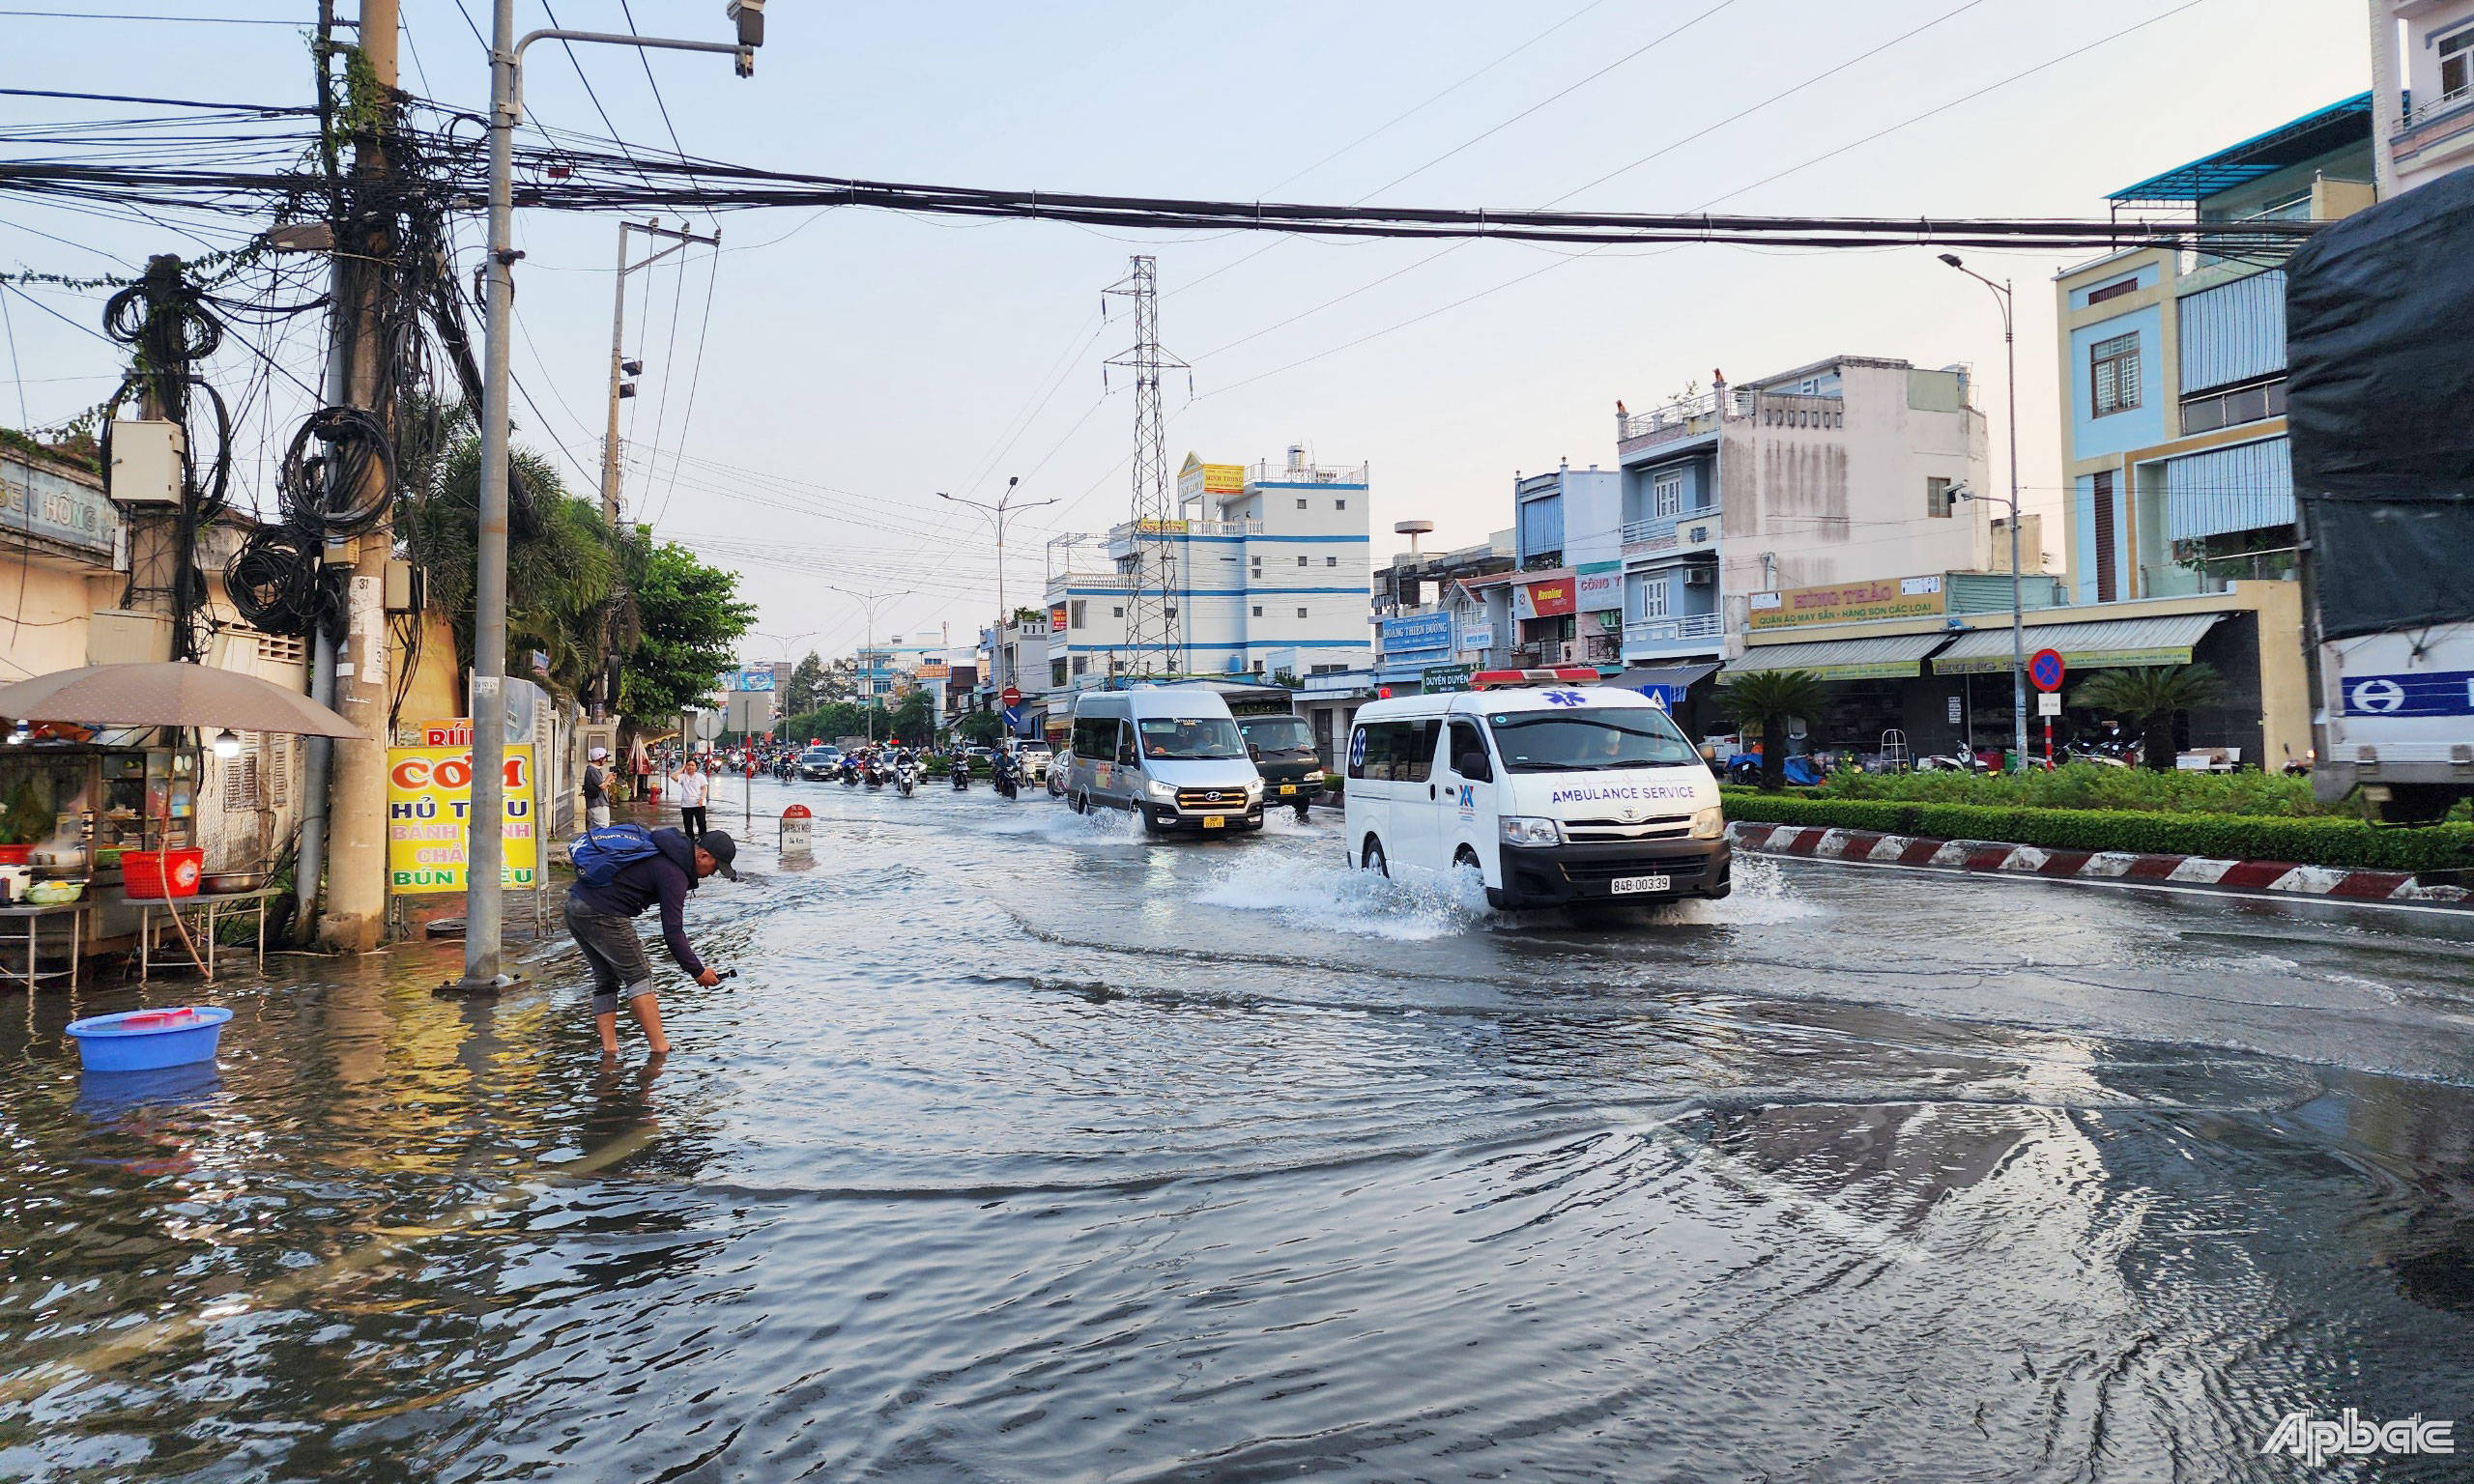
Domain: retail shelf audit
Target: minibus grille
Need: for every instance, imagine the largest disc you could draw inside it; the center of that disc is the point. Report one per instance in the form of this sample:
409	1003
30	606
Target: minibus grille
1672	827
1207	799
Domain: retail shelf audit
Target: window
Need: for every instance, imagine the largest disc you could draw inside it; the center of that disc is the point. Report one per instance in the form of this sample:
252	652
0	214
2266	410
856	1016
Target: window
1301	613
2456	64
1331	561
1300	562
1936	499
1258	667
1191	738
1394	751
1666	493
1258	610
1340	504
1301	503
1468	753
1074	618
1117	612
1057	672
2230	409
2108	586
1653	595
2112	370
1571	742
2113	290
1095	737
1081	663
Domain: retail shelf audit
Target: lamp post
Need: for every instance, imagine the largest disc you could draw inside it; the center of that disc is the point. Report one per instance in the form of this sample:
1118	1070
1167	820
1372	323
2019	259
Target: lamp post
485	819
2018	605
996	513
868	602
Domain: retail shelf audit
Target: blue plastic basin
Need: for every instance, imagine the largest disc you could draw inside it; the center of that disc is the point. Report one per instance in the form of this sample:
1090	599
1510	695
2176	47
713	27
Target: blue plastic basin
143	1040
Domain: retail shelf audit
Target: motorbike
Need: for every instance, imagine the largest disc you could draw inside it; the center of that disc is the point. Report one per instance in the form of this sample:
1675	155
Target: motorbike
1959	761
850	773
906	777
872	774
962	773
1008	786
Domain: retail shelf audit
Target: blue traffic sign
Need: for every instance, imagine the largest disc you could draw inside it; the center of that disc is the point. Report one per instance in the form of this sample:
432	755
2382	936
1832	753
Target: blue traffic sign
1014	719
2045	669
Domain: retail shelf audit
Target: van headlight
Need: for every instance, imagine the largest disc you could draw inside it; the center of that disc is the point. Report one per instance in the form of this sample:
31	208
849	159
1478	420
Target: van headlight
1710	823
1162	794
1254	789
1528	830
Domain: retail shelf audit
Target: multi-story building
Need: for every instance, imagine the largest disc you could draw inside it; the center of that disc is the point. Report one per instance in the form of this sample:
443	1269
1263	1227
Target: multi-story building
2178	477
2422	89
1418	623
1827	472
1270	567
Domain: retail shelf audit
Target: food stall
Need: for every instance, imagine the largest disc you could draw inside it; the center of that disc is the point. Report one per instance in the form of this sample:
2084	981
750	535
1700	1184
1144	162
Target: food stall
74	804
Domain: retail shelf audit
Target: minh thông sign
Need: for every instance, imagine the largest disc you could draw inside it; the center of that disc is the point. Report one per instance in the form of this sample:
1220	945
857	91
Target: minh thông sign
1892	597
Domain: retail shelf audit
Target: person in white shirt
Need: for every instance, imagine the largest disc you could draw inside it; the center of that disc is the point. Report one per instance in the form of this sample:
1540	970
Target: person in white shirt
692	785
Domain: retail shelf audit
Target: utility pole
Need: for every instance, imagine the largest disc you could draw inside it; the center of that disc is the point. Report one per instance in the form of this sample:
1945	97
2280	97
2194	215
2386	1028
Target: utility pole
1151	609
997	513
2018	603
484	893
620	367
868	602
353	908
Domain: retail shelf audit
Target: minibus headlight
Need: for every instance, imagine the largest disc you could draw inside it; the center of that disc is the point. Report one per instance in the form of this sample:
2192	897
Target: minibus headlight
1254	789
1710	823
1162	792
1526	830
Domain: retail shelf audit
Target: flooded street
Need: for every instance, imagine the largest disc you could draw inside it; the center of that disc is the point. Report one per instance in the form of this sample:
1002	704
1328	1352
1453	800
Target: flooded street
1024	1149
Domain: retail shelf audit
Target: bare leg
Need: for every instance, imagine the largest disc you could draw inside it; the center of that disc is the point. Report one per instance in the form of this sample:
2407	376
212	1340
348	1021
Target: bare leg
648	1012
608	1020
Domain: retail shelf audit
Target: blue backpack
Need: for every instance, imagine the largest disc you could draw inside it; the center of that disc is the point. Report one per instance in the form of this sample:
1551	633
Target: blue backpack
598	853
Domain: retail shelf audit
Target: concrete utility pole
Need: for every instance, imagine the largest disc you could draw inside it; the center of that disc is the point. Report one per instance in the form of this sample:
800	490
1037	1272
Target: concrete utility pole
486	856
2018	604
997	513
354	909
620	367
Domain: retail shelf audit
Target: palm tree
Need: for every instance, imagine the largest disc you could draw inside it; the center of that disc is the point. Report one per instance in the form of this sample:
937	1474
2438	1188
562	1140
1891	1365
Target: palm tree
2151	698
1766	698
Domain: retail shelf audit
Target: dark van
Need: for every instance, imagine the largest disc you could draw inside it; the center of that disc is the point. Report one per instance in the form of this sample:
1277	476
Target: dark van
1284	751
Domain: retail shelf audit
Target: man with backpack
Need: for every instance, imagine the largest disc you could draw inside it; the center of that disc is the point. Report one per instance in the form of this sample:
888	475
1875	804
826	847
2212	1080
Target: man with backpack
621	870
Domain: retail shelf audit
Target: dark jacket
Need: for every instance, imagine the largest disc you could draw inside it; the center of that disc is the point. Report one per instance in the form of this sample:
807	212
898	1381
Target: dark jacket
596	789
665	878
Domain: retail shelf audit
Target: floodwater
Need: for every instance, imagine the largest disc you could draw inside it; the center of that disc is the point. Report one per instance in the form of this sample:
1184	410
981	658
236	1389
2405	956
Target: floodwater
1024	1149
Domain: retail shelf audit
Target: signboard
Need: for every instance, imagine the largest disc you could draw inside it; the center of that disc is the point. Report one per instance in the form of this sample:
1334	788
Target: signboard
1666	697
1057	619
38	502
2049	704
797	831
1439	678
1602	586
1550	599
1417	633
2419	693
1197	478
934	672
1897	597
2045	669
1013	720
1476	640
429	792
1958	711
1009	698
748	680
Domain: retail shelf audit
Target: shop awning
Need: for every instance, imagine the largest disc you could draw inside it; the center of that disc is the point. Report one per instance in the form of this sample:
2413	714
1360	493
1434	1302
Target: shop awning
1674	676
2105	643
1890	657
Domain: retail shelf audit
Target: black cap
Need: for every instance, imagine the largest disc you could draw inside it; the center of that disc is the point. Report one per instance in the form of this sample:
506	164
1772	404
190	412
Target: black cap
722	848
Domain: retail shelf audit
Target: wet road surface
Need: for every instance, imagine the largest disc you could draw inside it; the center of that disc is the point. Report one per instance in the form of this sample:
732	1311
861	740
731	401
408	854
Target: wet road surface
1024	1148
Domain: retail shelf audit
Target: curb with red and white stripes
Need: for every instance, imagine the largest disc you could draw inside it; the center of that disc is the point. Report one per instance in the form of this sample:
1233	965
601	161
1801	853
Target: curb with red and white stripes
2189	871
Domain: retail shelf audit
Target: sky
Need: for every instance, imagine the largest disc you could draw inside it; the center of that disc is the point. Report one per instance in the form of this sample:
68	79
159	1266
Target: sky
812	387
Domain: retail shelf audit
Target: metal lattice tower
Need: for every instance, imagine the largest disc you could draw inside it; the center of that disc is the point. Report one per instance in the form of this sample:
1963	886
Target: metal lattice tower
1150	564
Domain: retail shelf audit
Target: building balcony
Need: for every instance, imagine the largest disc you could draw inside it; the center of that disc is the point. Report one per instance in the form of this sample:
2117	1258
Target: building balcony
1688	419
1692	634
1269	473
1683	532
1123	537
2429	124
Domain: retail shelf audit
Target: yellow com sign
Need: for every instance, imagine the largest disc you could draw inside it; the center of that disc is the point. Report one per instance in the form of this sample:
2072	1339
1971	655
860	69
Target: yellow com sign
430	795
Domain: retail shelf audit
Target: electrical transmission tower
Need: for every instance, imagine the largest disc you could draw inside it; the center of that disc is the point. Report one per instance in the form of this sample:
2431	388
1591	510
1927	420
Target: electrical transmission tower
1150	563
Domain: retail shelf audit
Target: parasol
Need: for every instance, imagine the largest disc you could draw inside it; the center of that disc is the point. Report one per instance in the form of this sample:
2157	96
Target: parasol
171	694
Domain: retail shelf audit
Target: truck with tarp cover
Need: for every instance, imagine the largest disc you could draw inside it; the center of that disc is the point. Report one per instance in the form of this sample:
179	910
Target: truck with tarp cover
2379	311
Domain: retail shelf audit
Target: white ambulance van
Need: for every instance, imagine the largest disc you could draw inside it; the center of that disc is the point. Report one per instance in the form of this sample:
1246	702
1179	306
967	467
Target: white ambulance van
1557	793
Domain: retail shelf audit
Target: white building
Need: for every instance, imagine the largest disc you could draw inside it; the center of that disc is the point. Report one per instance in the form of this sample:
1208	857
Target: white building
1272	574
2422	84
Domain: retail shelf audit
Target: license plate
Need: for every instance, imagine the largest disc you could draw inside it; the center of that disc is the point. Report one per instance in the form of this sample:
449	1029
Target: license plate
1625	886
1215	821
1288	787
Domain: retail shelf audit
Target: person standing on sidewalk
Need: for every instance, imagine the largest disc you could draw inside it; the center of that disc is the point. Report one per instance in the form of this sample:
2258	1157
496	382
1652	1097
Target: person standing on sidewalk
596	787
641	869
692	785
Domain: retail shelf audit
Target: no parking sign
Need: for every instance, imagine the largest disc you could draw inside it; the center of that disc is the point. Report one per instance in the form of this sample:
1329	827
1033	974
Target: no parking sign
2045	669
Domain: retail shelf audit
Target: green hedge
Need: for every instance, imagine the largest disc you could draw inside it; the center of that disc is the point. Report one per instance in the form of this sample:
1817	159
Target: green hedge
2306	841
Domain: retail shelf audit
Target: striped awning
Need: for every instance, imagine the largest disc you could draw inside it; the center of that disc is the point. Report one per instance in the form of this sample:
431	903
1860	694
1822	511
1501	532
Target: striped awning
2106	643
1890	657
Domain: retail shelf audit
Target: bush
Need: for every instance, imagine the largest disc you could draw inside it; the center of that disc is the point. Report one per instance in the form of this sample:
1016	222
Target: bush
2091	786
2303	841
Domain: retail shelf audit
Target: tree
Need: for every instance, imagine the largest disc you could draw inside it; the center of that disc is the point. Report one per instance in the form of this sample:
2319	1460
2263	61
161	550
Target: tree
914	720
1766	698
692	619
2152	697
807	682
982	727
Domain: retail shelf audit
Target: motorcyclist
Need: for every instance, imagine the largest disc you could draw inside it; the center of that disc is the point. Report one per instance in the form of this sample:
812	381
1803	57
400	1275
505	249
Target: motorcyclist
959	764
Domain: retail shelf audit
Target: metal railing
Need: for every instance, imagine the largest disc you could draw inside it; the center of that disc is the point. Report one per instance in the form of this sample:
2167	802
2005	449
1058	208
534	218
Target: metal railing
1269	473
2422	113
1667	631
1664	531
1676	420
1125	530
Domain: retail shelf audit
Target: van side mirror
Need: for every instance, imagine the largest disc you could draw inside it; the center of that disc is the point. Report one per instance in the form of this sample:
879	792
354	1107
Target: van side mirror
1473	767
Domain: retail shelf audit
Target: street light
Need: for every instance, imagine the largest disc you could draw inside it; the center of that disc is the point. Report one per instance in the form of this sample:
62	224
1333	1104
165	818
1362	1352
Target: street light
487	851
996	513
868	602
2018	604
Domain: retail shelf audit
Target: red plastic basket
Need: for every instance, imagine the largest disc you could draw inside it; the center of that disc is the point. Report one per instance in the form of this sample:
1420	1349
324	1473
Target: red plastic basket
143	872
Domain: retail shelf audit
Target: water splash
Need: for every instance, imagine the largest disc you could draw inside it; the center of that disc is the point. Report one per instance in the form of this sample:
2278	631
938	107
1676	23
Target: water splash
1762	895
1324	892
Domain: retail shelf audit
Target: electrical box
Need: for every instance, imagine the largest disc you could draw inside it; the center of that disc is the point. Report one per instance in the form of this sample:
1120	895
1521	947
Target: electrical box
118	636
145	463
403	586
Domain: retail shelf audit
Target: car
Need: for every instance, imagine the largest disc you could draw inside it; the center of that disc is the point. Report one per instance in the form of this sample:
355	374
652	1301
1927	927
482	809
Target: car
820	763
1170	754
1059	769
1035	758
1562	795
1284	751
